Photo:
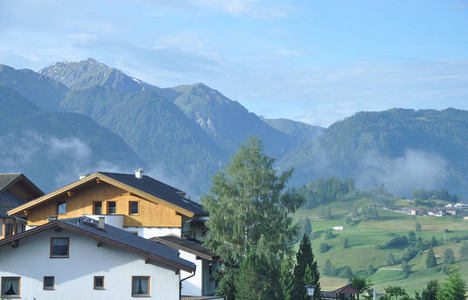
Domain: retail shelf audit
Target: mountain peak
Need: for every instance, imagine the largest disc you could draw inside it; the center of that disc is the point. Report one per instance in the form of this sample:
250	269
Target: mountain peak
90	72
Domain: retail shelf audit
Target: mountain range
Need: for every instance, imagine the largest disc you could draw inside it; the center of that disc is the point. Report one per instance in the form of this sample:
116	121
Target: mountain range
81	117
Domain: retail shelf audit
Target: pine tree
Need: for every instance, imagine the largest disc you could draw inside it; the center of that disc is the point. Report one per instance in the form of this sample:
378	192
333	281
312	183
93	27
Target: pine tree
305	271
430	259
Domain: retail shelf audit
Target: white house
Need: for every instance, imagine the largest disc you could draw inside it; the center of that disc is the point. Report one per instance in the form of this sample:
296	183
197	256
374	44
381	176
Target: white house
206	264
136	203
81	258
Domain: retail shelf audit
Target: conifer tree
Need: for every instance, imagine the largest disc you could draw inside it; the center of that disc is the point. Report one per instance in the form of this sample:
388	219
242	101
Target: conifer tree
430	259
305	271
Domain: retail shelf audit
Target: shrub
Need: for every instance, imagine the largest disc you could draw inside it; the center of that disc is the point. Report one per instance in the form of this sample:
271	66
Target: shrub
324	247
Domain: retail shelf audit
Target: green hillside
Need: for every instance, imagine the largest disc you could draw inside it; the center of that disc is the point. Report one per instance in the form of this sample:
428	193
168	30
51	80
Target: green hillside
367	238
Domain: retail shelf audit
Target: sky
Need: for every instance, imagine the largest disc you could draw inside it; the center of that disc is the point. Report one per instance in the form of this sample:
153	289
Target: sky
312	61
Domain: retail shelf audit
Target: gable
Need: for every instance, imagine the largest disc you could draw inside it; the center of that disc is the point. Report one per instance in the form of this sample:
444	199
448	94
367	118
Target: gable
147	189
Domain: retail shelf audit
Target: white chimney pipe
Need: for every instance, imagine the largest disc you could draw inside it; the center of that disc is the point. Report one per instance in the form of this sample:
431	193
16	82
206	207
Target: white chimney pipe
139	173
102	222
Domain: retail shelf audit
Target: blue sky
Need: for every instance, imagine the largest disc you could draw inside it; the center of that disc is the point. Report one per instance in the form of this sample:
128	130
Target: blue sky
311	61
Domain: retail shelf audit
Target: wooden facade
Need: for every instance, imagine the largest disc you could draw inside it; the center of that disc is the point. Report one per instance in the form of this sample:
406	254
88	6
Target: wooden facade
84	198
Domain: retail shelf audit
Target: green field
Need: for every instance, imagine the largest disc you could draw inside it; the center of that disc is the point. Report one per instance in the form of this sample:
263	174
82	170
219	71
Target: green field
365	236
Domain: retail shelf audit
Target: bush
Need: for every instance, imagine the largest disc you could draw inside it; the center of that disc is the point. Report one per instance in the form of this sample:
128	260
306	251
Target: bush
324	247
329	235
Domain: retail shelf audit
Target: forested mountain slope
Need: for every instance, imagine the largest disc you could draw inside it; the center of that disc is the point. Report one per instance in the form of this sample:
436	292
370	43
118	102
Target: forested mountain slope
51	148
227	122
302	131
401	148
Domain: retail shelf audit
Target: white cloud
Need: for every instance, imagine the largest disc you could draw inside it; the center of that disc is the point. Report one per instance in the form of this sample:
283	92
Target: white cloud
415	169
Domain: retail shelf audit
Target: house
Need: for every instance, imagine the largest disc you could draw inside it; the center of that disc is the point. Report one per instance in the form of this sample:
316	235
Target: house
340	227
416	211
437	212
135	203
205	261
15	190
81	258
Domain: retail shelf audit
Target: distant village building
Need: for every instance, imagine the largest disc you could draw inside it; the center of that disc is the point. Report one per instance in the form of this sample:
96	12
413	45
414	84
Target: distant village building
340	227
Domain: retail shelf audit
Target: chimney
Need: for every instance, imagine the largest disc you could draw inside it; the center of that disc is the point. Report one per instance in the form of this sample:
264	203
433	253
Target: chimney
139	173
102	222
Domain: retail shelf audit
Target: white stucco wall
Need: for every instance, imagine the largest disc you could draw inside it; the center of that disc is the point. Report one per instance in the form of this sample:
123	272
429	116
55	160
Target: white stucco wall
193	285
74	276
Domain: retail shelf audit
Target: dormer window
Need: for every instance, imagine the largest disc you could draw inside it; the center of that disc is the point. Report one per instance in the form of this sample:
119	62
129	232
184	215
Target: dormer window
97	207
133	208
62	208
111	207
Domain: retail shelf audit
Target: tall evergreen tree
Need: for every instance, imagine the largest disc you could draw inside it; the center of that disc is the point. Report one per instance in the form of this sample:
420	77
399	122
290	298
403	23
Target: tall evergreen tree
250	210
430	259
305	271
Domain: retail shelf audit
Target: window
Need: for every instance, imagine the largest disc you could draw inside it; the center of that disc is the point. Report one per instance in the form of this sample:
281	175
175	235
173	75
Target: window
62	208
133	207
97	208
98	282
49	282
111	207
59	247
11	286
140	286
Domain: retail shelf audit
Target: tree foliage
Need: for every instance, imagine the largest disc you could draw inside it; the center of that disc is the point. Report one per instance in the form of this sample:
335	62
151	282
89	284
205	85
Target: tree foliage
453	288
430	259
363	285
329	269
429	292
464	251
305	271
249	212
449	256
395	291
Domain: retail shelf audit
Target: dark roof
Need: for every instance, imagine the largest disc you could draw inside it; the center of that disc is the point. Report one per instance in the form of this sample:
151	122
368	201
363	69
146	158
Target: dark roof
185	245
159	189
113	236
347	290
8	201
6	179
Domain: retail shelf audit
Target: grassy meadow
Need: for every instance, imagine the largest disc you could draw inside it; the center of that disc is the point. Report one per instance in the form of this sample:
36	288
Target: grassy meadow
365	237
